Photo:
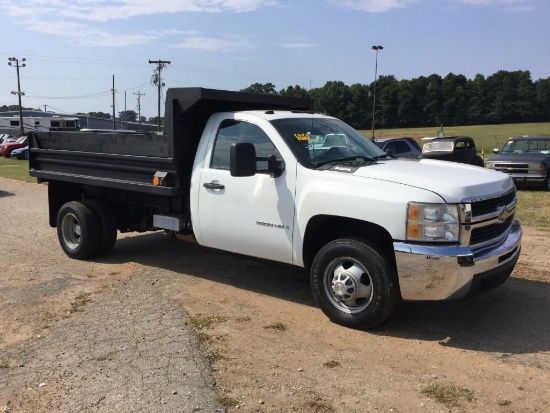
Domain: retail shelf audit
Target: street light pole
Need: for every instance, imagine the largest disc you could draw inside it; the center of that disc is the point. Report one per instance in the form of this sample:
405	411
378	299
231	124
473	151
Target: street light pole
18	93
375	48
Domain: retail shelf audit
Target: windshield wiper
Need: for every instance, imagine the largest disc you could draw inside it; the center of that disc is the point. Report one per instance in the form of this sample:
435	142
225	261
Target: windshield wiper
346	159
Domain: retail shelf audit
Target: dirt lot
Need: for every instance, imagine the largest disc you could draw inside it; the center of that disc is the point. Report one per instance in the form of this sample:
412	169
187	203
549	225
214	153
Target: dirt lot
112	334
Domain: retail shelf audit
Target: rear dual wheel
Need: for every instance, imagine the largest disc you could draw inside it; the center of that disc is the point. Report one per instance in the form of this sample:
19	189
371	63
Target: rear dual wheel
85	229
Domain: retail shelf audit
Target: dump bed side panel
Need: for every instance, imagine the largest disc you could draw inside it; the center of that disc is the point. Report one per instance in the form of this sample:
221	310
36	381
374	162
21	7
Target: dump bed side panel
113	160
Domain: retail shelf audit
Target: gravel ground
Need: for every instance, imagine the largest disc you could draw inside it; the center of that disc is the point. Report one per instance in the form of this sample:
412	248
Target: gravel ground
86	336
115	334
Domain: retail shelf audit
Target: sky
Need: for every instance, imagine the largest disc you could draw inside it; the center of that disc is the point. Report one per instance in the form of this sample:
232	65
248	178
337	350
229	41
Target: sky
74	48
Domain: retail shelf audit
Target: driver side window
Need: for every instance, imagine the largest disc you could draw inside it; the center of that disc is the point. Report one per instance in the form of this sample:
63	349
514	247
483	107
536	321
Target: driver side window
232	131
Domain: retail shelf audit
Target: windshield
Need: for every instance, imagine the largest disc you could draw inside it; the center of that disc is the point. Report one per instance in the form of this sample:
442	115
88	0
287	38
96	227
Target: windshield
22	139
438	146
317	141
527	145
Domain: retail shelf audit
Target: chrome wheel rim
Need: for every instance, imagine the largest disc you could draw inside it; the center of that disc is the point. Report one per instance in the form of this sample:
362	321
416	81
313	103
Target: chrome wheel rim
348	285
71	230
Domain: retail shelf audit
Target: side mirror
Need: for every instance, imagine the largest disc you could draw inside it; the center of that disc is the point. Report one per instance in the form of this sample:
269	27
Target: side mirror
495	150
389	151
275	167
242	159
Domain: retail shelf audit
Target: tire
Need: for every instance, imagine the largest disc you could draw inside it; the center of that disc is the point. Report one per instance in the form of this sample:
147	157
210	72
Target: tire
107	225
354	284
78	230
546	183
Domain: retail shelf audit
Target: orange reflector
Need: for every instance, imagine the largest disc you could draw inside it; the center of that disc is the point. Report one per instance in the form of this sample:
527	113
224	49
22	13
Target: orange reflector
413	231
157	181
414	213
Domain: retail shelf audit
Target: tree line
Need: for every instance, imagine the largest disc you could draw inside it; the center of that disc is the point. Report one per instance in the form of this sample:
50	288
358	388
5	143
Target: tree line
453	100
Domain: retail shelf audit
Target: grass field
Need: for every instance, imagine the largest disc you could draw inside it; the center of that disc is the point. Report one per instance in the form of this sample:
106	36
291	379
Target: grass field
485	136
533	205
16	169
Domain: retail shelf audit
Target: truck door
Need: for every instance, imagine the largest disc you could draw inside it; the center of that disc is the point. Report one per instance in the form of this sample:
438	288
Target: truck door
247	215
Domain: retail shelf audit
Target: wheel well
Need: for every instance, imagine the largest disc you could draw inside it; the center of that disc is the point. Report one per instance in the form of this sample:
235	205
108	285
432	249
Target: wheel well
322	229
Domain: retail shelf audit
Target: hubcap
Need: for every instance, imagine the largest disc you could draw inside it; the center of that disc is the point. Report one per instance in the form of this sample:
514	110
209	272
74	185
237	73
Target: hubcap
71	231
348	285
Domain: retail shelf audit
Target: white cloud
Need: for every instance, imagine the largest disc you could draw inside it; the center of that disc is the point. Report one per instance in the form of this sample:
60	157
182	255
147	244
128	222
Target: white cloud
83	35
371	6
76	19
108	10
196	41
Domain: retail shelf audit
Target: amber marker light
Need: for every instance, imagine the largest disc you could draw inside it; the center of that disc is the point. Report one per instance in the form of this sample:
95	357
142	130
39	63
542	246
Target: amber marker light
159	179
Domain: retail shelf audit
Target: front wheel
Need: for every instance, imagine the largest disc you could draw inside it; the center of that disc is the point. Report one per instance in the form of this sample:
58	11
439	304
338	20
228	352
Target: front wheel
78	230
354	284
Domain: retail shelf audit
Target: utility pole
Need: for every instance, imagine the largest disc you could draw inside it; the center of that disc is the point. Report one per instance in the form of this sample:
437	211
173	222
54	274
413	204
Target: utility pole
157	80
114	90
18	93
139	95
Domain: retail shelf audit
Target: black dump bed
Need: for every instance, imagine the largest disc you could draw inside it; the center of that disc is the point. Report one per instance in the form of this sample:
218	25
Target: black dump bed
129	161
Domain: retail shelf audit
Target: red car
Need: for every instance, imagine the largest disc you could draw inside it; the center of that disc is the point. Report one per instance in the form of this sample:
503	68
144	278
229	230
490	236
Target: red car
6	148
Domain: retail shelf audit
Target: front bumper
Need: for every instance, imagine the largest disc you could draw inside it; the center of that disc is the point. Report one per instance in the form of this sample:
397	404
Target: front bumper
531	179
429	273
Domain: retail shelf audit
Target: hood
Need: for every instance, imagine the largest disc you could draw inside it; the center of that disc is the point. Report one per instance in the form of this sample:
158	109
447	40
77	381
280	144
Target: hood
524	157
452	181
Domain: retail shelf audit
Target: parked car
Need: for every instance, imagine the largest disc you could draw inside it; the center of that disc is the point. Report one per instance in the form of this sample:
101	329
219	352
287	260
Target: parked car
526	159
404	147
6	148
6	138
461	149
21	153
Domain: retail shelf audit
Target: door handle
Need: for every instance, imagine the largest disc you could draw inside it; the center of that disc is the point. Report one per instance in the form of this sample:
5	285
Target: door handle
213	185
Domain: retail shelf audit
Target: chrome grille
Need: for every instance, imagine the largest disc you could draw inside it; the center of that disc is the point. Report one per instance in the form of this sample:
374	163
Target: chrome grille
491	218
490	232
491	205
512	168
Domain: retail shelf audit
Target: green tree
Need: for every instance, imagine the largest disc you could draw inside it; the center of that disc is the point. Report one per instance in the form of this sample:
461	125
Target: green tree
102	115
261	88
294	91
334	99
542	99
387	102
127	116
358	107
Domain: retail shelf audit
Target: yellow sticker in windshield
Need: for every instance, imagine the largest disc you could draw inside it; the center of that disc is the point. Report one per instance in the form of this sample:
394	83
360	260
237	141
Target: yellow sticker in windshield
509	142
302	136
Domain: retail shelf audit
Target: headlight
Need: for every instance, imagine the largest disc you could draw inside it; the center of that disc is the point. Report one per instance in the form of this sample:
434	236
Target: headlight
536	168
490	165
433	222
